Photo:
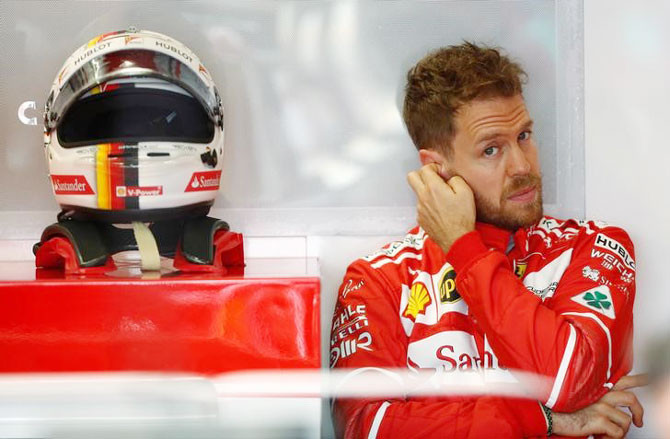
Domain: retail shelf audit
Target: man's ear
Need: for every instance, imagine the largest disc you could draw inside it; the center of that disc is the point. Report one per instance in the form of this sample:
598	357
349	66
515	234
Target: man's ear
428	156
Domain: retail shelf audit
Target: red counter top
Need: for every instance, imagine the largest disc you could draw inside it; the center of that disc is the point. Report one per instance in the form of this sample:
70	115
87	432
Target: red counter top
266	316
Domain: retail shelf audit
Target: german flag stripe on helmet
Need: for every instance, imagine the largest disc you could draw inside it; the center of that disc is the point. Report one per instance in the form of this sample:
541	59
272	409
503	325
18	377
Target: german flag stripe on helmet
131	176
103	183
117	167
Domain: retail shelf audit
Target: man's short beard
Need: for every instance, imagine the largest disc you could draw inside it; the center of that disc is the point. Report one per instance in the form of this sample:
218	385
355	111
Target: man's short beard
487	212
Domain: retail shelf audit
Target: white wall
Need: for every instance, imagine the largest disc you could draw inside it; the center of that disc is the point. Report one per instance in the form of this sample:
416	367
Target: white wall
627	69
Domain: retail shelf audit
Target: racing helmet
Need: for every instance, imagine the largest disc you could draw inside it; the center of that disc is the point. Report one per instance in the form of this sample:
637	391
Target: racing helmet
133	130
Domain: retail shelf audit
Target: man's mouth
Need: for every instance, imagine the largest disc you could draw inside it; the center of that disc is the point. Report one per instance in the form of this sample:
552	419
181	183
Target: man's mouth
524	195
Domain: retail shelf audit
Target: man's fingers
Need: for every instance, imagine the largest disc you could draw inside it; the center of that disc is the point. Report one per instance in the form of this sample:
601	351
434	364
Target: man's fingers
440	170
458	184
434	167
619	398
415	182
631	381
611	422
617	416
444	173
636	410
431	179
610	428
426	171
430	174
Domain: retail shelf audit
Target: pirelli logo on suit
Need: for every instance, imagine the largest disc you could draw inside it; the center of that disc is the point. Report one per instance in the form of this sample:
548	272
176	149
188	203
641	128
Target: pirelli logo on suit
349	333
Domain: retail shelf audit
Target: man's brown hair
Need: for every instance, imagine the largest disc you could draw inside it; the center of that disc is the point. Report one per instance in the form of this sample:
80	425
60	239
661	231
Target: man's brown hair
446	79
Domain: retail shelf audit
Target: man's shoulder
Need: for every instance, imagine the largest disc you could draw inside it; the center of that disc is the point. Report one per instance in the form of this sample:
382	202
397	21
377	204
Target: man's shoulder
396	255
396	251
568	228
388	267
553	230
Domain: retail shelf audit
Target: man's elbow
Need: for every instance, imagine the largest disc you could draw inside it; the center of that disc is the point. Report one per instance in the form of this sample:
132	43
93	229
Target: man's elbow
586	379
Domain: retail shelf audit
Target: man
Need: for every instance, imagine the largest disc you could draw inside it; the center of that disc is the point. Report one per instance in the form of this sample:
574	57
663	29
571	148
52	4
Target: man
487	280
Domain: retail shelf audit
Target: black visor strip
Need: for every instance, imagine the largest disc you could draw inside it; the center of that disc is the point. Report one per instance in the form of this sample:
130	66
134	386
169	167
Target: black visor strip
135	114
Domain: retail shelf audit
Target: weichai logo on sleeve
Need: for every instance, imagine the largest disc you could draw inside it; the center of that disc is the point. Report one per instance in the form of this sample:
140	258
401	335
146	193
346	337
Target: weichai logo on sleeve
419	299
204	181
71	185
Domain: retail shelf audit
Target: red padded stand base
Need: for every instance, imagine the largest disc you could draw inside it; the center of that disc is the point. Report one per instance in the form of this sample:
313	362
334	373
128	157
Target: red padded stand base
58	252
228	253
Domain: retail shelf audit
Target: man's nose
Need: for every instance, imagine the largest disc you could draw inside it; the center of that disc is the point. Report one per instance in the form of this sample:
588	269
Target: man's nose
518	162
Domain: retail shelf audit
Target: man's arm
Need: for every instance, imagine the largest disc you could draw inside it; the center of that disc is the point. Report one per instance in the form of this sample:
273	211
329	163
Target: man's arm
447	418
367	336
581	336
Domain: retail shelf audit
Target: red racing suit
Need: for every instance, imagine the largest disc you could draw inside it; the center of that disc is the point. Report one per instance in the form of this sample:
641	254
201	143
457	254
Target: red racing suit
554	299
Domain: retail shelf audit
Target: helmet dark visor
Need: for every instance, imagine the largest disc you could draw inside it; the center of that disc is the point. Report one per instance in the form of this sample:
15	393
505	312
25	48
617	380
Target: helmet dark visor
130	115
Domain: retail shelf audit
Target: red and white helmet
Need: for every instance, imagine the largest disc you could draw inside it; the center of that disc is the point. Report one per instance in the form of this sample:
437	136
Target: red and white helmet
134	130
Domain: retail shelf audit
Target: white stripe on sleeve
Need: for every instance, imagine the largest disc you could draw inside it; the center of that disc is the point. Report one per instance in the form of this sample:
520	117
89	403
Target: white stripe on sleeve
563	368
377	421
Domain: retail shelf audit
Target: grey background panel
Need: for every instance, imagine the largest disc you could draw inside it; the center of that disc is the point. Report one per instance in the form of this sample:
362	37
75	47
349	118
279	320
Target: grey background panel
311	90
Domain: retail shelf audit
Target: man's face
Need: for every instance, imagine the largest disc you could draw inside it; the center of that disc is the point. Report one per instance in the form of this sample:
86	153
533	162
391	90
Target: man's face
495	153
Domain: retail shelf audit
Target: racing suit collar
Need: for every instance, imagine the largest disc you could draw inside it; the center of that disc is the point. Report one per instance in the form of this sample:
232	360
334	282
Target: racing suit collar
494	237
502	239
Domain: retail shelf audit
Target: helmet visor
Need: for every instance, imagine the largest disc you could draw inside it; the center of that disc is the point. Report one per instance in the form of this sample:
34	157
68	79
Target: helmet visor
130	64
135	114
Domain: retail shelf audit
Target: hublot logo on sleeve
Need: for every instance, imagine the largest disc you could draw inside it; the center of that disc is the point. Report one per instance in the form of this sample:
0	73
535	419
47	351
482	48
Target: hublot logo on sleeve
615	247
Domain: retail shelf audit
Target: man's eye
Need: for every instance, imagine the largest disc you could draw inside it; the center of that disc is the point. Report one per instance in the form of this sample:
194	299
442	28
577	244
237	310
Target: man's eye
491	151
524	136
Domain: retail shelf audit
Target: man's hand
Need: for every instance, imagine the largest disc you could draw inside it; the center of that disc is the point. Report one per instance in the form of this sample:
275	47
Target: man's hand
603	417
445	210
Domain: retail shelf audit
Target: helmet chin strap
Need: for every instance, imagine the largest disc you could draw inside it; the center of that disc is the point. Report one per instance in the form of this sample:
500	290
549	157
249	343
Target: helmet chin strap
146	244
